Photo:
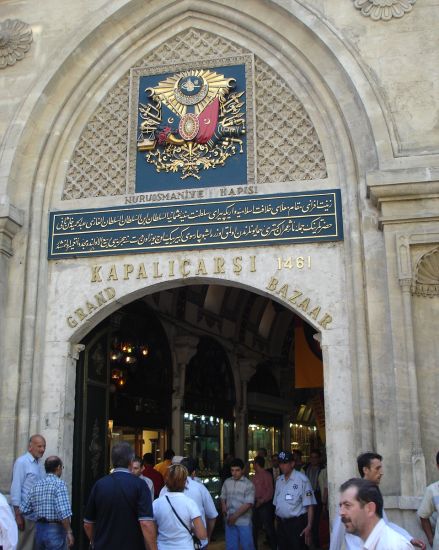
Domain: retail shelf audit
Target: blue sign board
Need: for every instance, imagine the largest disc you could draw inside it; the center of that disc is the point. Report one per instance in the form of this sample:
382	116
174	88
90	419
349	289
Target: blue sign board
286	218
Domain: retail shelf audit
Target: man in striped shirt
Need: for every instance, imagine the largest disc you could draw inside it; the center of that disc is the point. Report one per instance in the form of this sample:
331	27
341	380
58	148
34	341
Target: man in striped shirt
49	501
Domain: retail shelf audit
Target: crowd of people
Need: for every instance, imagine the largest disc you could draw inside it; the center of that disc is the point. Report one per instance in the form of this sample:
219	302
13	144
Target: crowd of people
165	507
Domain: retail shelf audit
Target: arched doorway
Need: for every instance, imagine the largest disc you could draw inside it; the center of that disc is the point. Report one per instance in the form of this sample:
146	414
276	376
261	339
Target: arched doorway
123	393
240	380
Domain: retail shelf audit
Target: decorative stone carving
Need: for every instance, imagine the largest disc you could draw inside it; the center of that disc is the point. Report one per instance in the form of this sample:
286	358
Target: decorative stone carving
384	9
15	41
427	275
288	147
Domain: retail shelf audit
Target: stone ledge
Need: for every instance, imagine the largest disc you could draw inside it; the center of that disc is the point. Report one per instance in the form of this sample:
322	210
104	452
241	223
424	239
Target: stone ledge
11	219
402	502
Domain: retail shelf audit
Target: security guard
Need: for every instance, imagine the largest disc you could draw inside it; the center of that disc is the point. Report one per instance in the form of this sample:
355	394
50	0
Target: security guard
294	501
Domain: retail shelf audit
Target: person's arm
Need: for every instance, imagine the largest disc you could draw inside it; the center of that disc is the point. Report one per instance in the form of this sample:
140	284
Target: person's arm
210	526
223	498
8	526
18	477
199	529
426	526
307	531
239	512
149	532
68	529
89	529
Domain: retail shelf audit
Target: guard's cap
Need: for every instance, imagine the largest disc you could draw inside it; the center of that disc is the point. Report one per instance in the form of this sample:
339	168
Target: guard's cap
285	456
177	459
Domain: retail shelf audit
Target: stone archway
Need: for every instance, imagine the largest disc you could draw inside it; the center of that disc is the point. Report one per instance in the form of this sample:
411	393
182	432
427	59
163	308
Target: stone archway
77	96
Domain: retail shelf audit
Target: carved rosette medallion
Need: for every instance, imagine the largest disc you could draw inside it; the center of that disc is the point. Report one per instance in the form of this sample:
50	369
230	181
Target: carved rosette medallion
384	10
15	41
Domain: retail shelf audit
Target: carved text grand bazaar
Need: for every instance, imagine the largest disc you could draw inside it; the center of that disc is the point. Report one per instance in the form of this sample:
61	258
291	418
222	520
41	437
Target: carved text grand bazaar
172	268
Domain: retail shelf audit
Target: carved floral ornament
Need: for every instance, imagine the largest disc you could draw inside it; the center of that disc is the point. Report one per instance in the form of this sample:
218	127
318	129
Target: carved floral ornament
384	9
15	41
427	275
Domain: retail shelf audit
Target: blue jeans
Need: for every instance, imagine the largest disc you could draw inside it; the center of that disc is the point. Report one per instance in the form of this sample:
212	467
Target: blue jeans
239	536
50	536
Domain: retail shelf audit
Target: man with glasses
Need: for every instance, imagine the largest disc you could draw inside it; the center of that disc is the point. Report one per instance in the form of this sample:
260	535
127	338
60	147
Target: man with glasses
49	501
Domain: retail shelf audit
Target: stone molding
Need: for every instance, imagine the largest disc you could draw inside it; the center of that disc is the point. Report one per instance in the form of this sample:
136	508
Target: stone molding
15	41
384	10
288	147
11	219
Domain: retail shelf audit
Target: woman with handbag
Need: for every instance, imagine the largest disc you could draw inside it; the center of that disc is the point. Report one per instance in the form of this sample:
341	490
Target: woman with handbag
177	517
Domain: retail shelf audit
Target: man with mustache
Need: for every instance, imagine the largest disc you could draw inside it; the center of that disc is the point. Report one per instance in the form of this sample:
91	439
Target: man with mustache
370	467
361	511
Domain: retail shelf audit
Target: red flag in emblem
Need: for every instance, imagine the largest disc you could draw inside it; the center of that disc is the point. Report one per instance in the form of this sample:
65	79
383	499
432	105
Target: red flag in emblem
208	120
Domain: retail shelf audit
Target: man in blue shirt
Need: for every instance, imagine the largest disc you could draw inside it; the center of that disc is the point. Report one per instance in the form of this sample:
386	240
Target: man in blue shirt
27	471
119	510
49	501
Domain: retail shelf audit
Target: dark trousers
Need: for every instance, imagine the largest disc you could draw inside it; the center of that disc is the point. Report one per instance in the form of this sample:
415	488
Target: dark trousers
263	518
288	533
315	529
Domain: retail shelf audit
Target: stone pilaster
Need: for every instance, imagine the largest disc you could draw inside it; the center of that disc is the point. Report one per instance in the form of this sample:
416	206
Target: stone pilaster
11	219
185	347
246	370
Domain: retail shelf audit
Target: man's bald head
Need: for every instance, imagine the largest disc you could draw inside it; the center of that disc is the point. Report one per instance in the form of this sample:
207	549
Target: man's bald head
37	445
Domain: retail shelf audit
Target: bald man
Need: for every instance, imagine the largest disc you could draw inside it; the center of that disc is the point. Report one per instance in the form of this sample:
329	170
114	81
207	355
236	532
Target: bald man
27	472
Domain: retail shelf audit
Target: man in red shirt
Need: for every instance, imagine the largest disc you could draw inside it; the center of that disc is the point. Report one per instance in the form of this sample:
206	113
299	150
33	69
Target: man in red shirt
263	508
149	471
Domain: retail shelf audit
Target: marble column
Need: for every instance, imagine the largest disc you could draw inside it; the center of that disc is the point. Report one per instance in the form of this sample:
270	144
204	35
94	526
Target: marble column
11	219
185	347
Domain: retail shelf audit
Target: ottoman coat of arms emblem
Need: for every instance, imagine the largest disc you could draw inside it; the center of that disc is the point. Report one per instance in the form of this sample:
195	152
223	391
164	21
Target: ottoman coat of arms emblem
193	120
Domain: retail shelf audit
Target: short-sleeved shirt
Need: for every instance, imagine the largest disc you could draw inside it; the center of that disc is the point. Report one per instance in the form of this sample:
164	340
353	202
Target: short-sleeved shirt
430	505
48	499
116	504
293	495
8	526
27	471
237	493
171	533
201	496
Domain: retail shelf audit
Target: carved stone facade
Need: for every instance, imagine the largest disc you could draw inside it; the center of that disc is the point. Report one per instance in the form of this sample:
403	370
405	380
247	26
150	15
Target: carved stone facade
288	147
384	9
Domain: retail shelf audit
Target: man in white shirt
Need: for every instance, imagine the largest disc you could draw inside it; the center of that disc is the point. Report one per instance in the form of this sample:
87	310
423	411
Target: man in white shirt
8	526
361	511
370	467
429	506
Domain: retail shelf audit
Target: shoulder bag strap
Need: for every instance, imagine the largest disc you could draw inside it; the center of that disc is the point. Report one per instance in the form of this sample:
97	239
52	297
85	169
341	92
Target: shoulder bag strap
178	517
